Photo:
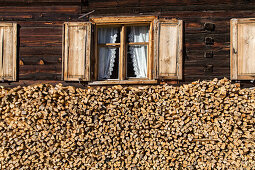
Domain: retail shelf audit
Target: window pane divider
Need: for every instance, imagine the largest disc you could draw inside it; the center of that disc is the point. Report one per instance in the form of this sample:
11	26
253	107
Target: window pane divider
138	43
122	63
109	44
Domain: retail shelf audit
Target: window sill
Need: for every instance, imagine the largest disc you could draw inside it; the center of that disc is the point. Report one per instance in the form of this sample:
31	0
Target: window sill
122	82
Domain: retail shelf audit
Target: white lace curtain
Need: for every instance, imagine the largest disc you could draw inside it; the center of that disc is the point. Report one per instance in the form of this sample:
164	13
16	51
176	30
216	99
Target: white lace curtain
139	52
107	55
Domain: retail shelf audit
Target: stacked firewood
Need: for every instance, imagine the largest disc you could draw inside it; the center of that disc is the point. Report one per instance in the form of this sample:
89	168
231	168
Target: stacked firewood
202	125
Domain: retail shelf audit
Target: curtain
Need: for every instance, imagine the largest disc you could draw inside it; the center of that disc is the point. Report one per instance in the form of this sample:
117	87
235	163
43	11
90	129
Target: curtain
139	52
107	55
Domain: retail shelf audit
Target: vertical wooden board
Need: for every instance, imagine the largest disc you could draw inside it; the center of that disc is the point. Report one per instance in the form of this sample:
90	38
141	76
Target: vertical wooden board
76	51
246	46
167	49
150	69
168	39
14	49
66	45
122	65
8	51
1	51
88	47
233	49
242	49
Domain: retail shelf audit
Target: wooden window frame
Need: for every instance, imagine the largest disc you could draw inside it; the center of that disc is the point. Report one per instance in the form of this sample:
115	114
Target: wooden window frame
123	23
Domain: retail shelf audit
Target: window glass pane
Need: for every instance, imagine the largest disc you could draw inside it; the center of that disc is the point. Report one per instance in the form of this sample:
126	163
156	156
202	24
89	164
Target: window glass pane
138	34
108	63
137	61
108	35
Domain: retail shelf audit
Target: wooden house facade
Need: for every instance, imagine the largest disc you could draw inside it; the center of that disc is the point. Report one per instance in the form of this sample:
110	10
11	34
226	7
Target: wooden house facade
214	39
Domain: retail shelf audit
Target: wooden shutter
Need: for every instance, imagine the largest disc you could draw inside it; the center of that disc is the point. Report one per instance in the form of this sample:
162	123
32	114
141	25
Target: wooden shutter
242	50
8	51
168	49
76	51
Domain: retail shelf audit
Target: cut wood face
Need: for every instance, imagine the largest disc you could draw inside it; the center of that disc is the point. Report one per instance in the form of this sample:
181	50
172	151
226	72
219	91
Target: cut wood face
246	46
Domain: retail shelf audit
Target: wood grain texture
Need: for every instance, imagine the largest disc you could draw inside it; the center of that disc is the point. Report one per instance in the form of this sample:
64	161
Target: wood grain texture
8	51
77	51
246	46
40	30
169	49
242	49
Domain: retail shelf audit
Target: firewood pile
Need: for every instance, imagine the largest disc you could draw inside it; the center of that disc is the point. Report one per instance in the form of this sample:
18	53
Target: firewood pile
203	125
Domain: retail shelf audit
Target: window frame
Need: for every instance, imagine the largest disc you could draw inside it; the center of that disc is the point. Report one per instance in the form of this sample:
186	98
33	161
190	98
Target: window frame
123	23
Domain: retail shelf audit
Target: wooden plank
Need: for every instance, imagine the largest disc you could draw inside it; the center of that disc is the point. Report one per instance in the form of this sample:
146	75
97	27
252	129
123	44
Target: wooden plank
76	63
233	49
41	24
1	51
53	30
72	9
35	68
88	49
77	51
14	48
242	49
40	41
150	53
66	45
122	60
155	51
180	50
8	51
132	19
246	46
169	49
138	43
63	51
112	82
96	55
109	44
40	51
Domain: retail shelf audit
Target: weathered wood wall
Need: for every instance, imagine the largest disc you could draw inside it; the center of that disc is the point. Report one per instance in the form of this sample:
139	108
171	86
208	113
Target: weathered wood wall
40	38
206	30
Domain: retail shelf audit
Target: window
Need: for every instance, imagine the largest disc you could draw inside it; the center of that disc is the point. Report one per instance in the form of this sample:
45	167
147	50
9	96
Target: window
123	50
242	49
8	51
133	54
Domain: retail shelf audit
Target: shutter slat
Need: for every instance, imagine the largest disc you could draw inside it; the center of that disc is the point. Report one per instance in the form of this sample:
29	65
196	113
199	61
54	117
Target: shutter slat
77	51
168	48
